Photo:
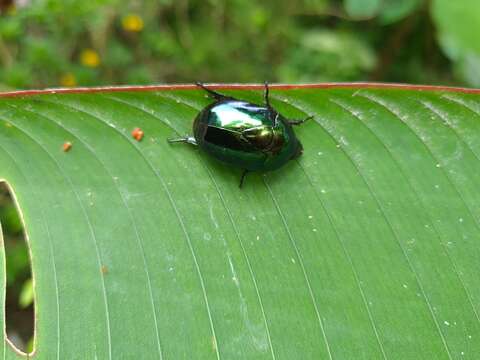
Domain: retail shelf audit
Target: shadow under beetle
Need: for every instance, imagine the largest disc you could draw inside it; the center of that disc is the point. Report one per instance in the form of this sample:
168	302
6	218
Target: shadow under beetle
249	136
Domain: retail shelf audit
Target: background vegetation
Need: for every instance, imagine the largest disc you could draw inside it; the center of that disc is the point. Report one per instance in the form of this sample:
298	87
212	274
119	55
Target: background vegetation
76	43
51	43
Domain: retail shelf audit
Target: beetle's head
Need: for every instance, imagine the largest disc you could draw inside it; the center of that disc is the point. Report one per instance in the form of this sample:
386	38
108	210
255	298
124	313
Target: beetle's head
298	150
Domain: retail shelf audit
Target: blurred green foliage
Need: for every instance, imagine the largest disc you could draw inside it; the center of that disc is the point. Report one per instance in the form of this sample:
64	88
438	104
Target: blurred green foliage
19	302
17	266
458	24
45	43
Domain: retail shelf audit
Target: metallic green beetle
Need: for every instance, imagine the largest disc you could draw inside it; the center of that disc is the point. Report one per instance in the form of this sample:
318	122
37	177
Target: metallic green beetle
250	136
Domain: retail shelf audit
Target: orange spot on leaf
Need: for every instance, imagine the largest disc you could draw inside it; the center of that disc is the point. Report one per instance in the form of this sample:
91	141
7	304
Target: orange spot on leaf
67	146
137	134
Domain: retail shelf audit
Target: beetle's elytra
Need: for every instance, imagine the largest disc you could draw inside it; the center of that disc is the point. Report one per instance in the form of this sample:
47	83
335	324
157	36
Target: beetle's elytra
250	136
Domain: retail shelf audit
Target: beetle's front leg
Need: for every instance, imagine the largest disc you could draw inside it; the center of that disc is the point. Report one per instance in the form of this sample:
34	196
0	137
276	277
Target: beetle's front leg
242	178
299	122
185	139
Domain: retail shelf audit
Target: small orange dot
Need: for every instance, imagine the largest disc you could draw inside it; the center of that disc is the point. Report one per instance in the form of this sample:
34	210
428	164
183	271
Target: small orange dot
67	146
104	269
137	134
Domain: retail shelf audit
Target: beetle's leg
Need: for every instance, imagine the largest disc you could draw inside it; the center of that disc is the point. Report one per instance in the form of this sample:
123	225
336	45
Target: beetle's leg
214	94
299	122
185	139
242	178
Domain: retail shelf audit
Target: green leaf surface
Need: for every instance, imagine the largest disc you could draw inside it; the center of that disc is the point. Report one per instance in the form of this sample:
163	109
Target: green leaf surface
367	247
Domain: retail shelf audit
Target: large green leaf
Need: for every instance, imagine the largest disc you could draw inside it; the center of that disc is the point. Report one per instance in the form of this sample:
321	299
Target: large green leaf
367	247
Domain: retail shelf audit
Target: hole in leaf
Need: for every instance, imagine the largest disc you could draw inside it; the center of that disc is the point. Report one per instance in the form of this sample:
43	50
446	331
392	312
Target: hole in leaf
19	301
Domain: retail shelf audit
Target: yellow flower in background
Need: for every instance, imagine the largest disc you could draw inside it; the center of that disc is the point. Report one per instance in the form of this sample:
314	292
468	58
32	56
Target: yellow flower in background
11	10
132	22
68	80
90	58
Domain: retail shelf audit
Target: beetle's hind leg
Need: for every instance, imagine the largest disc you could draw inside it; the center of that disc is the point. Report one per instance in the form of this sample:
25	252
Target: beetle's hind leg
299	122
214	94
185	139
242	179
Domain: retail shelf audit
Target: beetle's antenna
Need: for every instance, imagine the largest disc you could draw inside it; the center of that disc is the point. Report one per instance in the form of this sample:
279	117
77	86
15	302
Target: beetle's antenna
214	94
265	95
